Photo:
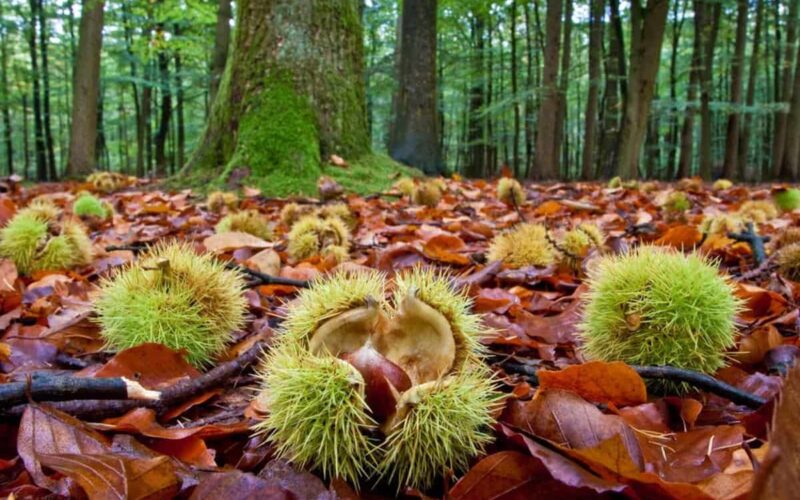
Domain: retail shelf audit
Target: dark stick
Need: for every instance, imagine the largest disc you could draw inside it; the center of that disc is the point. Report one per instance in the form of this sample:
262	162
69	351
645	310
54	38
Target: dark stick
519	212
756	242
101	409
134	247
71	388
266	279
696	379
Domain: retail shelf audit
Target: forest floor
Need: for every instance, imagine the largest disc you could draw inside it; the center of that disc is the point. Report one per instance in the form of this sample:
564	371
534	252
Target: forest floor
586	429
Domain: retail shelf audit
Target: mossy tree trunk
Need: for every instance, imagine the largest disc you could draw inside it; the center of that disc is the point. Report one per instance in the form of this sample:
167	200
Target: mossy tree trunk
292	93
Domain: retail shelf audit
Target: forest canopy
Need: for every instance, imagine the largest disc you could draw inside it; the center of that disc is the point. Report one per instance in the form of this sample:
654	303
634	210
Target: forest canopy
548	89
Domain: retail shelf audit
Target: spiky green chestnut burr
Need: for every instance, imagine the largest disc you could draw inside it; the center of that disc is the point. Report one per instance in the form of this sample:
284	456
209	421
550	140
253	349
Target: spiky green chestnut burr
721	224
440	425
175	297
345	356
37	241
311	236
90	206
218	200
317	414
342	211
722	185
510	191
247	221
428	194
405	185
654	306
757	211
789	261
677	202
615	182
525	245
787	199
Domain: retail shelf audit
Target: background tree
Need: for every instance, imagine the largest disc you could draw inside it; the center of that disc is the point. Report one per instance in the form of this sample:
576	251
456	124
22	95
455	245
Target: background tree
85	90
415	131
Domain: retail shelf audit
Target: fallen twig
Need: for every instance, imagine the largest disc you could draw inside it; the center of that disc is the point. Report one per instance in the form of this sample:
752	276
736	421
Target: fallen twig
67	388
755	240
266	279
171	396
696	379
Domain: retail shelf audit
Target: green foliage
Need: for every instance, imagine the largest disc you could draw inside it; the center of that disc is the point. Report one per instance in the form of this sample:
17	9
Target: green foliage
787	199
654	306
174	297
89	206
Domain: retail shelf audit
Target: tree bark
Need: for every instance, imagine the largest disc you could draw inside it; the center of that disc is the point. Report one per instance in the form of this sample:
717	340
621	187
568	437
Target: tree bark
85	90
476	165
415	133
179	106
48	129
165	109
791	155
674	128
562	138
514	87
706	126
613	94
732	135
222	37
784	90
38	130
647	36
5	100
590	119
292	92
687	130
744	138
547	160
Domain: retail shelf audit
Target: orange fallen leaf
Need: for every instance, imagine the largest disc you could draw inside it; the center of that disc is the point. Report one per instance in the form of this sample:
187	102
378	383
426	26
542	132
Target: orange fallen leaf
598	381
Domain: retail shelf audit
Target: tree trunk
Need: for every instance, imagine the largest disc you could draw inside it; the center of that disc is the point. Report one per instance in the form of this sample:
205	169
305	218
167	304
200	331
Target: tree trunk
5	100
179	107
744	138
476	134
85	90
732	136
165	111
529	84
792	149
647	35
292	93
222	39
514	87
687	130
706	126
562	138
415	133
48	129
590	119
547	160
38	131
677	25
26	148
784	91
613	94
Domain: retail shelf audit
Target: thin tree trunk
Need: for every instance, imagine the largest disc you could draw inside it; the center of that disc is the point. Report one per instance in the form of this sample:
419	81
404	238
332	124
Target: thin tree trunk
791	155
744	138
706	82
38	130
613	94
647	36
677	25
5	100
415	133
179	108
25	135
476	156
562	137
784	89
732	136
590	119
48	129
546	160
529	85
86	89
166	114
514	87
695	75
222	39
